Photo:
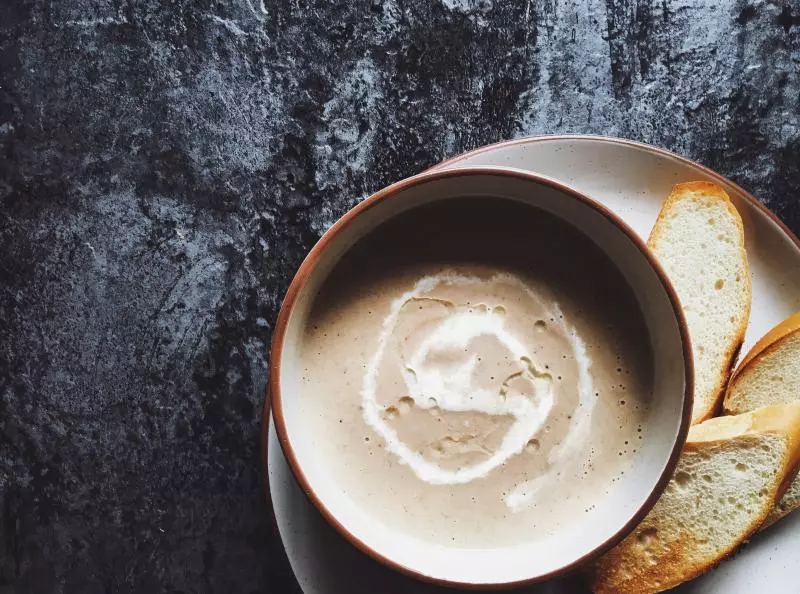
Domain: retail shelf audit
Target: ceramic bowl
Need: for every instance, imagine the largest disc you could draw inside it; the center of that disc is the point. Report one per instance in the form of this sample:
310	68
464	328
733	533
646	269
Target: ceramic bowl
540	558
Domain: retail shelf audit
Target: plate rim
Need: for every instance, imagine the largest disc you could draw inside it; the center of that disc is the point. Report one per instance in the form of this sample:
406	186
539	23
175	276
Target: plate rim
615	140
450	161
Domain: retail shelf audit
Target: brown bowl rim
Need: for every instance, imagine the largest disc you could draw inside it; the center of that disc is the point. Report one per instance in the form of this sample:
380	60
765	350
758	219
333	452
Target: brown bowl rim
299	280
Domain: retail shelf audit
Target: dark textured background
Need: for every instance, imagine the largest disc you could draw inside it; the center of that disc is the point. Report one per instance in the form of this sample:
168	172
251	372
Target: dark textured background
165	165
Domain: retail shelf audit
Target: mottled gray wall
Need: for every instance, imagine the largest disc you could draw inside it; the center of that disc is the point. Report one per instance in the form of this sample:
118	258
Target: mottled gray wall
166	164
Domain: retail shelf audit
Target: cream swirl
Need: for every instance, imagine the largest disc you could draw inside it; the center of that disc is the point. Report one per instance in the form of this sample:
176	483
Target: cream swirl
432	381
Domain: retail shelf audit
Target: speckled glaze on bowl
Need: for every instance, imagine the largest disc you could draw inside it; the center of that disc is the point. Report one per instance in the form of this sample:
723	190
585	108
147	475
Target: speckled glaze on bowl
535	560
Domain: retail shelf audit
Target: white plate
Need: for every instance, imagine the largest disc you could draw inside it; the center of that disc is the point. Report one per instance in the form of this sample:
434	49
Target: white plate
631	179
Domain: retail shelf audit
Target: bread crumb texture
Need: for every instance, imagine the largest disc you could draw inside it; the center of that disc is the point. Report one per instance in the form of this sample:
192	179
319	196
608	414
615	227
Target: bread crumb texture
699	240
718	495
772	377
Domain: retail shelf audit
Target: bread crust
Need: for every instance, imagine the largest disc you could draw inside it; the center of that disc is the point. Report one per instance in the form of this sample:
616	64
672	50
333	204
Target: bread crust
778	511
677	564
685	191
782	419
768	343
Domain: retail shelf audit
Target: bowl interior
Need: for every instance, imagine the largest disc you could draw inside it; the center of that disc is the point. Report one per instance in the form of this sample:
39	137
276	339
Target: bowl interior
614	514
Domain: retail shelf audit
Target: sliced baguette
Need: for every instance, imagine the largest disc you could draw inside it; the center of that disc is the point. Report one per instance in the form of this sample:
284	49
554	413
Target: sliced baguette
699	240
729	476
786	504
770	374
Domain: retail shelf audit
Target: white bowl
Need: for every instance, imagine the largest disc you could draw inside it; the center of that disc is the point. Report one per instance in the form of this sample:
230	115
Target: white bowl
540	558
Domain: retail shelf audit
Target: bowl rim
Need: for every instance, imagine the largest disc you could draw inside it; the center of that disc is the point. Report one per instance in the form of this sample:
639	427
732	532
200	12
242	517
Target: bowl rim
301	277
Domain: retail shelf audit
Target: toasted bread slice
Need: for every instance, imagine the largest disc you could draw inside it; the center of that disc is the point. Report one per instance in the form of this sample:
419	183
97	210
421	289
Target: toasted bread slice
729	476
786	504
699	240
770	374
